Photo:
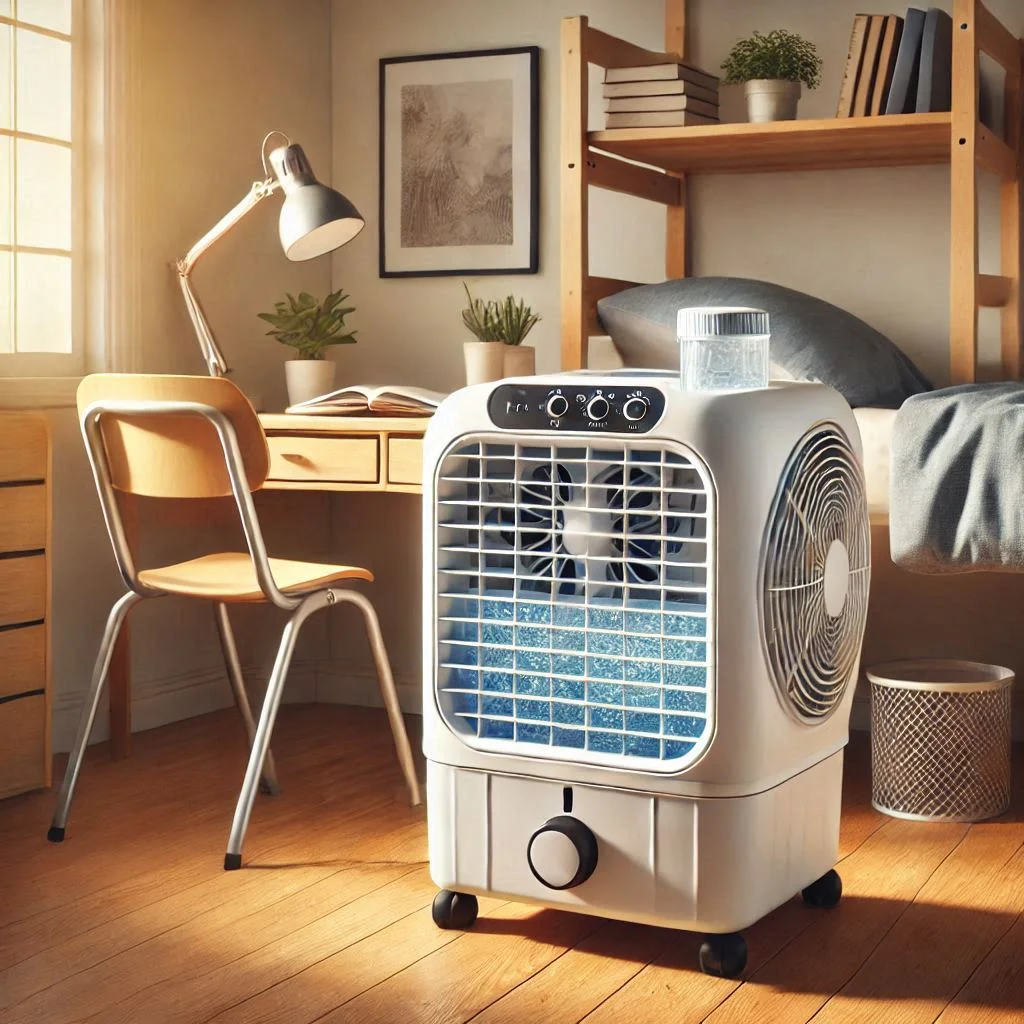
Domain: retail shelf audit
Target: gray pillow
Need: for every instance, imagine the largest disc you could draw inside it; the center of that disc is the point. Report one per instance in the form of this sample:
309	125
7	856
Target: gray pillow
811	338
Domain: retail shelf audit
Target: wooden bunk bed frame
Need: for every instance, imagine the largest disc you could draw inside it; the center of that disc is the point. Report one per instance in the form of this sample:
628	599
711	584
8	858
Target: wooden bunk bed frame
670	154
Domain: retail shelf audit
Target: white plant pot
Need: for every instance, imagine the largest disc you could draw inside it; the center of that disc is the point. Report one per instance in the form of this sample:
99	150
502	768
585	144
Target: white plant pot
520	360
308	378
771	99
485	361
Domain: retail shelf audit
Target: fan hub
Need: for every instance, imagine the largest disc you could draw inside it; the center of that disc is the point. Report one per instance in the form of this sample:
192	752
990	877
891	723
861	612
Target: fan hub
581	529
836	578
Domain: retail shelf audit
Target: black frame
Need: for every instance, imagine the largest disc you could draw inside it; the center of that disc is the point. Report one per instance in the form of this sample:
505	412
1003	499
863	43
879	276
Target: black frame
534	264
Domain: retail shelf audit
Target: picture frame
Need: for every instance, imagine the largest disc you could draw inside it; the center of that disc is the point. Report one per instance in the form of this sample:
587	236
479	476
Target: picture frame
459	163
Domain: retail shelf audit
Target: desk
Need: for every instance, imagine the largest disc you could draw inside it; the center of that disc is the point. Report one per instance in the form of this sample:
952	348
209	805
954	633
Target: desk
307	453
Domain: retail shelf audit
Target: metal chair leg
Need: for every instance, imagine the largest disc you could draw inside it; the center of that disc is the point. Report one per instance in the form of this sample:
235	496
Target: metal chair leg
268	715
268	778
99	676
387	689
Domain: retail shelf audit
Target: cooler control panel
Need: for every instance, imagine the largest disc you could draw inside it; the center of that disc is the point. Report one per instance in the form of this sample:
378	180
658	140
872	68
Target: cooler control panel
587	408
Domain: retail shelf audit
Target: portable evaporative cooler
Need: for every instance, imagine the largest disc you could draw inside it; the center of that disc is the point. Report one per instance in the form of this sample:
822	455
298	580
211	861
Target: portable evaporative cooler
644	611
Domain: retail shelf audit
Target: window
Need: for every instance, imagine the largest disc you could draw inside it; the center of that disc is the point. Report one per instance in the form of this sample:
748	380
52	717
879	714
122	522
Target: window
40	240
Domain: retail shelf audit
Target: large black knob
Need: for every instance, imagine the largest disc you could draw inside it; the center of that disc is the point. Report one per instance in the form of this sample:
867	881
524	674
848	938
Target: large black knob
562	853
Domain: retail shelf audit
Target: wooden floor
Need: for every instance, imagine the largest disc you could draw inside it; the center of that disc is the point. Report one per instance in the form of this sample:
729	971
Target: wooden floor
132	919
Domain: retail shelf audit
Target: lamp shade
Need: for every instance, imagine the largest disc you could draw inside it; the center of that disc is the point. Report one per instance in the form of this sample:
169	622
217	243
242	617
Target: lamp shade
315	219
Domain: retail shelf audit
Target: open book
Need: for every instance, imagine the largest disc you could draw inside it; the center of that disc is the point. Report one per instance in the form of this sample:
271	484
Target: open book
383	399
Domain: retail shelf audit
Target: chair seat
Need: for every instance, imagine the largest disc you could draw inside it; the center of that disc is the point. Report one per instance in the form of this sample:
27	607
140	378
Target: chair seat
231	576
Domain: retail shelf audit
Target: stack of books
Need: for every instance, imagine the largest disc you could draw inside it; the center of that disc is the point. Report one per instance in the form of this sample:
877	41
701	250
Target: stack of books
898	65
660	96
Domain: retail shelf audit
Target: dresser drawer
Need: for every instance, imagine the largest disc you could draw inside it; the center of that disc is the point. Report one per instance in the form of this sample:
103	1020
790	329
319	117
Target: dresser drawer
23	517
405	460
24	447
22	660
336	459
22	589
23	745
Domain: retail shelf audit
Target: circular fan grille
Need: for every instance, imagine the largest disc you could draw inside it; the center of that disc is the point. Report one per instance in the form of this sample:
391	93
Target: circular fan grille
815	574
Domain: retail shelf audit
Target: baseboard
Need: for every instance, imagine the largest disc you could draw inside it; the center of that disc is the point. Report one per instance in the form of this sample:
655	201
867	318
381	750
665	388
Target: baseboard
174	698
341	683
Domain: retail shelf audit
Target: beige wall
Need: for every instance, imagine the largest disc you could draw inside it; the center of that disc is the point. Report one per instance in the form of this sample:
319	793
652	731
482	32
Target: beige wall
875	242
213	79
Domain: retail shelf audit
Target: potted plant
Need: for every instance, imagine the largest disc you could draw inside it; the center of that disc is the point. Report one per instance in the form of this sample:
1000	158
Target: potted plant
310	326
499	327
773	66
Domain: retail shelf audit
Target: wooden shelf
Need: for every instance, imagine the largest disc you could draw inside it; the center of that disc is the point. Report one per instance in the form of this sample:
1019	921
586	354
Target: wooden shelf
828	143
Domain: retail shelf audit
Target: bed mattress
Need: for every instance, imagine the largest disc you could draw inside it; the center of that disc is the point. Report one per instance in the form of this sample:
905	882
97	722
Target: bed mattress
876	437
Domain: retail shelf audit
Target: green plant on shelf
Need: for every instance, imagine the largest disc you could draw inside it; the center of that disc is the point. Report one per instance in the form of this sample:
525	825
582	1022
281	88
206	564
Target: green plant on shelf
310	325
507	321
776	55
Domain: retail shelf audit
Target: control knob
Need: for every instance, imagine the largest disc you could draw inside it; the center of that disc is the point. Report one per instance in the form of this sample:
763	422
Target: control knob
562	853
598	408
557	406
634	409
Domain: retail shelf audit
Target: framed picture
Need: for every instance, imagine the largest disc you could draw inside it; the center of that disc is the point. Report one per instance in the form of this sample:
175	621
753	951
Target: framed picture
459	163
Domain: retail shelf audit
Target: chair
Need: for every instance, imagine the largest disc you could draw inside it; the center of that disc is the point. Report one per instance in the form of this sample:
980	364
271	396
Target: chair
198	437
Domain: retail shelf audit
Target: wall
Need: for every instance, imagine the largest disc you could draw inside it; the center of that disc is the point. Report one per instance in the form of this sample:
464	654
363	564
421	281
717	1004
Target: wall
213	79
875	242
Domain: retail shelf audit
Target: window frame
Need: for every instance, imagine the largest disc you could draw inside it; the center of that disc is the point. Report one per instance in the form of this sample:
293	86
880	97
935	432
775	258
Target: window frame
21	365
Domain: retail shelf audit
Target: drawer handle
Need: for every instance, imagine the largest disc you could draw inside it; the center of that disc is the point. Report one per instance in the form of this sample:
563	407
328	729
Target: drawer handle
300	460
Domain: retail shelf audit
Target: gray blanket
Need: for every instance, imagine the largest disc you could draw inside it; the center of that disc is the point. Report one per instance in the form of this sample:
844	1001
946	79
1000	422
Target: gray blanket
957	480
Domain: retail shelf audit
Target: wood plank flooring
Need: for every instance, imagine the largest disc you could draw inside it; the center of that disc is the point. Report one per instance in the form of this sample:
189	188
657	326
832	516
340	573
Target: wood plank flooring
132	920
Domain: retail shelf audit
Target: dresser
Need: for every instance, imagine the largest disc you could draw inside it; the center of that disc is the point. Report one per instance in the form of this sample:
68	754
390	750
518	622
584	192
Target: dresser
24	602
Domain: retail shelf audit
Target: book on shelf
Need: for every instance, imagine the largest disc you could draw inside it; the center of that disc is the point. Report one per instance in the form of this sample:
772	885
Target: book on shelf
662	72
852	69
868	65
935	75
639	104
902	97
657	119
892	30
619	90
383	399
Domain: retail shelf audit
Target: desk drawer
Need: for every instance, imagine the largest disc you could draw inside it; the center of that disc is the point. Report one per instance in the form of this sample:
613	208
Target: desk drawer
23	518
22	745
23	447
22	589
23	657
405	460
337	459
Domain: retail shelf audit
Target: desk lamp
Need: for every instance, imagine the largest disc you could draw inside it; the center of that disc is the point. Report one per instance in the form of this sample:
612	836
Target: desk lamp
314	220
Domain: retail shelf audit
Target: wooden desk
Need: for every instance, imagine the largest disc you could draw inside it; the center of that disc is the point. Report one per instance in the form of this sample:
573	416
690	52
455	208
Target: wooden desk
307	453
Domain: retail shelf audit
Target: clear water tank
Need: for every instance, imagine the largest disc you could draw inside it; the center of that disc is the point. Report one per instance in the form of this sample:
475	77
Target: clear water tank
722	348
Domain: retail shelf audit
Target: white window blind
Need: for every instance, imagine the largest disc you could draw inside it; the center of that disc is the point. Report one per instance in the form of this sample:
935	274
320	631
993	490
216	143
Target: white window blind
39	234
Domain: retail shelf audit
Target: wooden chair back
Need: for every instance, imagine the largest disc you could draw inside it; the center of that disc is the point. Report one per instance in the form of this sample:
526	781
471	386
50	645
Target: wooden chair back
174	456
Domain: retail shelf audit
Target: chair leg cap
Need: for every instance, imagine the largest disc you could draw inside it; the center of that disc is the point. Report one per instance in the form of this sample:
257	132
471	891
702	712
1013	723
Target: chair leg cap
232	861
55	835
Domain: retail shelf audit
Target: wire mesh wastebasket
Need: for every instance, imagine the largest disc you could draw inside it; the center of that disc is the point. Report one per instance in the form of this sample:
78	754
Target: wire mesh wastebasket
940	739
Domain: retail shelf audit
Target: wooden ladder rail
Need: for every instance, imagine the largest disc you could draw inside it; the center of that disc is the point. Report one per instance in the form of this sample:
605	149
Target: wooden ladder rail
976	31
582	167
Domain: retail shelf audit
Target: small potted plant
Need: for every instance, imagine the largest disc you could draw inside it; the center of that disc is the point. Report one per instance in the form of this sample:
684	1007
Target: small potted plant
773	66
310	326
499	327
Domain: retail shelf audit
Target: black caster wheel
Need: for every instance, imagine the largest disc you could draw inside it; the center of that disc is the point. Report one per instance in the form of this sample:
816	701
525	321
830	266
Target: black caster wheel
825	892
454	909
724	956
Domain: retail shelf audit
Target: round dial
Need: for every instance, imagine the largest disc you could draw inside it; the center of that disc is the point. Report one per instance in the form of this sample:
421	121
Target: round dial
557	406
562	853
634	409
598	407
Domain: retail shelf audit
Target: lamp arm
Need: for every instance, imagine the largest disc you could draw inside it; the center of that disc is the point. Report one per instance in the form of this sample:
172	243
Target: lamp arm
215	361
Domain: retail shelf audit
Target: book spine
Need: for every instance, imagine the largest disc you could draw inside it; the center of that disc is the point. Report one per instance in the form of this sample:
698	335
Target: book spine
849	86
868	66
640	104
886	62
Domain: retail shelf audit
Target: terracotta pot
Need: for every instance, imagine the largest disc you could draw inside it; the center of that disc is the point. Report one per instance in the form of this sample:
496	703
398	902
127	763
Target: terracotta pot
484	361
520	360
308	378
771	99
